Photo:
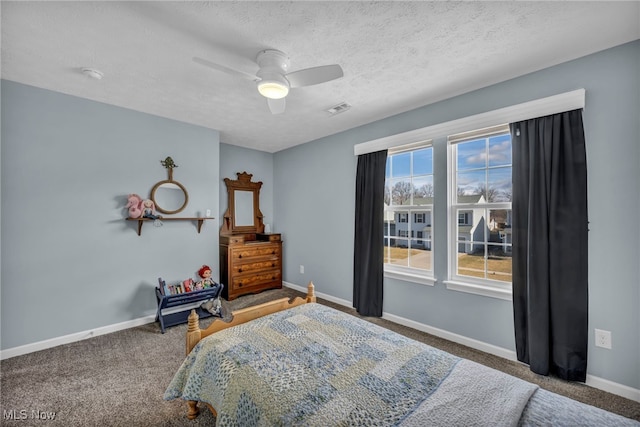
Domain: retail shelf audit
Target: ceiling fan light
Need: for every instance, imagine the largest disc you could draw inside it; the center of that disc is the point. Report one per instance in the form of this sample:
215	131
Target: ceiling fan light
273	89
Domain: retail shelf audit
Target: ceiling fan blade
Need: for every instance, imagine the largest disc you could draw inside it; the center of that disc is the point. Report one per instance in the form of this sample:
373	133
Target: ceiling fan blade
224	69
276	105
315	75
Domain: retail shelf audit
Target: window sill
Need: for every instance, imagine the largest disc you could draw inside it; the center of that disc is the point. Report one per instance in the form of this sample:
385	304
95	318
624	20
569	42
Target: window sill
487	291
410	277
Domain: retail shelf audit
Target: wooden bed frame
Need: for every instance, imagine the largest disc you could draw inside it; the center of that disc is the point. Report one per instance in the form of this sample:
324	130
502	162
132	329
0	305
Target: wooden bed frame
195	334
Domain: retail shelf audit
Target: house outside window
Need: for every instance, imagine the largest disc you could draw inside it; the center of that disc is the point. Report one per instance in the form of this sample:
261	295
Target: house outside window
480	207
408	235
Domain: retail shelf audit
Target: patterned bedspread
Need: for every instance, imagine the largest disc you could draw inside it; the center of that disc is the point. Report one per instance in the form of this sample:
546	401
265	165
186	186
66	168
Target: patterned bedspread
315	366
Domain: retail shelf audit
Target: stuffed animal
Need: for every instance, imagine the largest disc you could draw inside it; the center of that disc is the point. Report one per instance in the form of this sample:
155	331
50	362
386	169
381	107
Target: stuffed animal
213	306
149	209
134	204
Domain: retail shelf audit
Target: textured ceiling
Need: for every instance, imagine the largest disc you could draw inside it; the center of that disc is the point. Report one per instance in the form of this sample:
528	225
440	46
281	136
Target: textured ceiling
396	56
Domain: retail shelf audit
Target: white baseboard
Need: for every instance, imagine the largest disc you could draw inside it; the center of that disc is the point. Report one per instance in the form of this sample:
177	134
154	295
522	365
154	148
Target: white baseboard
318	294
592	381
615	388
450	336
78	336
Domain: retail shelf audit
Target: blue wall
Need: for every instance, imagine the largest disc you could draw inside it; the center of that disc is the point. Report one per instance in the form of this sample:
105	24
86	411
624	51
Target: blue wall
314	202
70	262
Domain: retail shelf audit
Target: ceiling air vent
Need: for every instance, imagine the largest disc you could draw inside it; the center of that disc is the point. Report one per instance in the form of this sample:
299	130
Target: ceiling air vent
340	108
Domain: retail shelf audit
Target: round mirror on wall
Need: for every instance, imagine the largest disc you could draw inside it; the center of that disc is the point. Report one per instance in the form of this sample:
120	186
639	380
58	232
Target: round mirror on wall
170	197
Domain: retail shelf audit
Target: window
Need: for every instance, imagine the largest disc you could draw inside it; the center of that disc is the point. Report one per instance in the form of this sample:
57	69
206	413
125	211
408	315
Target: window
408	235
497	212
463	218
480	208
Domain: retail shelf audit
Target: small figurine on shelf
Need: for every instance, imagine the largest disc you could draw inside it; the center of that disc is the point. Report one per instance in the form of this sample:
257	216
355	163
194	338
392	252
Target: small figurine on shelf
149	211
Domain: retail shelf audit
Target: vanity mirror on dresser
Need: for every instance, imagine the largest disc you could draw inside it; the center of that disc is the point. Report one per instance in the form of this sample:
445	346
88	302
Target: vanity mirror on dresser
250	259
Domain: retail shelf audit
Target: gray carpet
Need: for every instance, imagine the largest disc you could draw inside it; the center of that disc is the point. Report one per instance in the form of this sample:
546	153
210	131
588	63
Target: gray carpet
119	379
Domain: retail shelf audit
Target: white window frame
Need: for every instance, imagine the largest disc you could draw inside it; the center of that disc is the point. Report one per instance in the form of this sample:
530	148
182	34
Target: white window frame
475	285
540	107
416	275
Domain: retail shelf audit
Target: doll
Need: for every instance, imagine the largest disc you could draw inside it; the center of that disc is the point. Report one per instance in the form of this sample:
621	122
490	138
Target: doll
205	273
214	305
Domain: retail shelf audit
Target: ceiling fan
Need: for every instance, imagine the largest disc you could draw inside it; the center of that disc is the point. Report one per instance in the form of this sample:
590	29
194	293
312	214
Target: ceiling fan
273	78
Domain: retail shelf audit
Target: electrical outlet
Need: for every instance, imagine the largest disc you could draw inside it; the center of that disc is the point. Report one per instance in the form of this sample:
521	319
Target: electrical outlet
301	269
603	338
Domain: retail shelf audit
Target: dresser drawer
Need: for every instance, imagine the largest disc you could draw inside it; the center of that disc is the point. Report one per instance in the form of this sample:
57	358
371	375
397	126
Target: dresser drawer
247	253
254	266
246	282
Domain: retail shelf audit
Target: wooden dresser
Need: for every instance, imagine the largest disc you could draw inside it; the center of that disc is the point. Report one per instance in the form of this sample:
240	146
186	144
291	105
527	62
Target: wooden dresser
250	263
250	259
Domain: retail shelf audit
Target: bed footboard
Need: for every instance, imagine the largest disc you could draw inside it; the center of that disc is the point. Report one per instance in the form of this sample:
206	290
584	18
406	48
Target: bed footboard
195	334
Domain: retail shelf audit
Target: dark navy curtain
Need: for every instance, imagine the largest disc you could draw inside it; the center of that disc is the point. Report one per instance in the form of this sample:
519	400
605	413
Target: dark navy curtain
550	226
368	268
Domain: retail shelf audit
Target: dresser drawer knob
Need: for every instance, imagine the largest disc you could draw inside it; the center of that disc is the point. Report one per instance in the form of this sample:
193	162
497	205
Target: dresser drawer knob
273	264
239	270
240	256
